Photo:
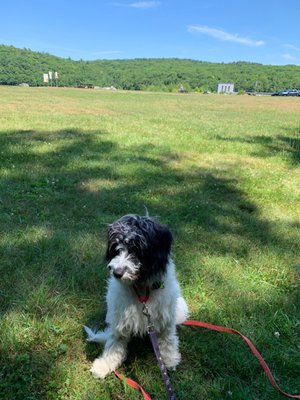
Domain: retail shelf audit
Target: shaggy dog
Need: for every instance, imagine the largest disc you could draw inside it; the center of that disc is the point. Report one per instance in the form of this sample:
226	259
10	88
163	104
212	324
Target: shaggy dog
142	273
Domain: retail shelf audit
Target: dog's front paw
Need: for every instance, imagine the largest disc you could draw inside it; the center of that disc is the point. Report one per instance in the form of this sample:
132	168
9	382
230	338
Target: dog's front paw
100	368
171	362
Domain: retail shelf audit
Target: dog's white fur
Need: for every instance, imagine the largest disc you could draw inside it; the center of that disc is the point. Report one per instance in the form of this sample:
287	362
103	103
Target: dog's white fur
125	319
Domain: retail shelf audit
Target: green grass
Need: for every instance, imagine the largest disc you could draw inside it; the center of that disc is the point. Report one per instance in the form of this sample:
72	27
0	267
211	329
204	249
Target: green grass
222	171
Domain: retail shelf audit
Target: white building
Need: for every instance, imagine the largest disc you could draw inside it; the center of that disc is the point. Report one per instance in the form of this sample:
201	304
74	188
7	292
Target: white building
225	88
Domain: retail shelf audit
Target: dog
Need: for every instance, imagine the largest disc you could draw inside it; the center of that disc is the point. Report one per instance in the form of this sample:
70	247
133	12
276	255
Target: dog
142	271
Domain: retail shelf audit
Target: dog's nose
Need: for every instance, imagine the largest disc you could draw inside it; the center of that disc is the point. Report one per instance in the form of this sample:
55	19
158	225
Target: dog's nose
118	273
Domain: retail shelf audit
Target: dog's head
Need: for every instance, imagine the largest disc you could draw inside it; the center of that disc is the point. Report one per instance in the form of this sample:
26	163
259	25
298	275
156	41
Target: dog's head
138	248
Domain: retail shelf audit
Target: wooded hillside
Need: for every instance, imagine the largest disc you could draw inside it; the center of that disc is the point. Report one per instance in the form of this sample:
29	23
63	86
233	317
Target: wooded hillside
26	66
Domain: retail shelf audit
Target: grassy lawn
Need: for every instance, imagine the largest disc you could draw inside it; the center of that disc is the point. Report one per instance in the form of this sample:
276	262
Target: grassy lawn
222	171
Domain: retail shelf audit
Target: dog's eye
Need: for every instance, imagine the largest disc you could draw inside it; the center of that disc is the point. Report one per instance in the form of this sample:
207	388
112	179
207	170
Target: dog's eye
115	251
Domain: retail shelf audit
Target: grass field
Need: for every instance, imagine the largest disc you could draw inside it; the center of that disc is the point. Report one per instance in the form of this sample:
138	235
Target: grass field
222	171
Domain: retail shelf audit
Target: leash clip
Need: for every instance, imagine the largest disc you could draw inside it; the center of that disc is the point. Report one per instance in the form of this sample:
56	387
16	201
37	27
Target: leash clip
147	315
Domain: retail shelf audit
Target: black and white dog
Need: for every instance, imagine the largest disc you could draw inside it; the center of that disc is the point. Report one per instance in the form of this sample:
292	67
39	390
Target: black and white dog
138	256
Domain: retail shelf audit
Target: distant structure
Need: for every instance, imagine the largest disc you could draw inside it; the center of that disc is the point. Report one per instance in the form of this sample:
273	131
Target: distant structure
48	77
225	88
182	90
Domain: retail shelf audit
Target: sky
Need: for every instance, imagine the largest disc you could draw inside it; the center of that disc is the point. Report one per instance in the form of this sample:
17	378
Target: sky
261	31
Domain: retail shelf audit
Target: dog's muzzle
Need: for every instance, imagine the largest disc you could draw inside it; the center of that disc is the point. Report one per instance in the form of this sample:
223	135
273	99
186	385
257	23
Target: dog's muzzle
124	266
118	272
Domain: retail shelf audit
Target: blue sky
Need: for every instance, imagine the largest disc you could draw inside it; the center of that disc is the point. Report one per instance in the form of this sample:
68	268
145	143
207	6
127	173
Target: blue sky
262	31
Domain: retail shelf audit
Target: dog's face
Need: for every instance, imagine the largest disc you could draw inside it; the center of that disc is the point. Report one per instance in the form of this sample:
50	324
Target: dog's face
138	248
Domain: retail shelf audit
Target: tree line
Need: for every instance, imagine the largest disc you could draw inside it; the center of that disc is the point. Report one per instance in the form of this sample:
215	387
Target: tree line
26	66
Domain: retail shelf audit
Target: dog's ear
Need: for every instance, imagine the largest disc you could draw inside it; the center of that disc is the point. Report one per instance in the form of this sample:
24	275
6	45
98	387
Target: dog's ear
160	247
165	239
108	255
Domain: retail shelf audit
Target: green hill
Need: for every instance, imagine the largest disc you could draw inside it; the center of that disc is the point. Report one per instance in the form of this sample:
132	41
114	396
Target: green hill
26	66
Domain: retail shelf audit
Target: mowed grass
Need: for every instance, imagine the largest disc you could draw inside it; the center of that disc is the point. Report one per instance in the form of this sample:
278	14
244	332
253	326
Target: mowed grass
222	171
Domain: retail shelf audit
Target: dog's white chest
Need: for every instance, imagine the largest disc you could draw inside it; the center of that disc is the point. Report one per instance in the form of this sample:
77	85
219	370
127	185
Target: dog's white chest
125	310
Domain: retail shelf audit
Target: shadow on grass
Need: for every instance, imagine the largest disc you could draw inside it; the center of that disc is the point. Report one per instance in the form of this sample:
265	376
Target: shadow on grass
288	147
58	190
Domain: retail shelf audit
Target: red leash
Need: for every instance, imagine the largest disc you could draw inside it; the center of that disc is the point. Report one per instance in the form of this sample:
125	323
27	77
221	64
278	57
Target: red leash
133	384
217	328
252	347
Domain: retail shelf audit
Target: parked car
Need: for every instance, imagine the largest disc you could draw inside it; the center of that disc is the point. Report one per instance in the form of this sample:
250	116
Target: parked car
289	92
293	92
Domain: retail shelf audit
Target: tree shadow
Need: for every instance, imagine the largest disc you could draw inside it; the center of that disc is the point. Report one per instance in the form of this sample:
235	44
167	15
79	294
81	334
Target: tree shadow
58	190
288	147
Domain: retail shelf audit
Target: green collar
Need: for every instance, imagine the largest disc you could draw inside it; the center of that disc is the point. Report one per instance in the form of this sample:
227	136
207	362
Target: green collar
158	285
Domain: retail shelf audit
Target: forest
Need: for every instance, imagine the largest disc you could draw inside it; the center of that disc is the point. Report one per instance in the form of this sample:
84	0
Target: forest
19	66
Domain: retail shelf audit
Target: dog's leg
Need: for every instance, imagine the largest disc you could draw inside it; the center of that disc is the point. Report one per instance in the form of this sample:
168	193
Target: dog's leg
182	311
168	344
114	354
